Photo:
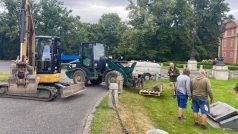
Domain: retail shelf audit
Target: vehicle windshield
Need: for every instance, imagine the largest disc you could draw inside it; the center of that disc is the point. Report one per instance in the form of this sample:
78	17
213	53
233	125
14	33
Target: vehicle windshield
43	54
87	55
98	51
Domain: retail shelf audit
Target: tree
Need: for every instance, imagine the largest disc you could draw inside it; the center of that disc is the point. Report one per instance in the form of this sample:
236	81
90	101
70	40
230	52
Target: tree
182	30
50	18
110	27
208	14
53	19
10	44
157	30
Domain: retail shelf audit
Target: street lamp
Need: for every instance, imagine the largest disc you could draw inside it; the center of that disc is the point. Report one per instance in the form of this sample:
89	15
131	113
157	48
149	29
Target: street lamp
192	57
221	30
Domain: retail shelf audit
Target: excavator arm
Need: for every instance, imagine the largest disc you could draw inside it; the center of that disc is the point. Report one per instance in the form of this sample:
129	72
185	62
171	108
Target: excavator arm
27	34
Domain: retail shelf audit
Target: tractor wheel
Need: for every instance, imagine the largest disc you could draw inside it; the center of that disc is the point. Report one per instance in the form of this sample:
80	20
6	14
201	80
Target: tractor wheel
97	81
78	77
111	77
146	76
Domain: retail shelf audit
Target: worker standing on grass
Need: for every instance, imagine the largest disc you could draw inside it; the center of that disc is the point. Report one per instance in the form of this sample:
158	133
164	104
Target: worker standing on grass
183	92
173	73
201	89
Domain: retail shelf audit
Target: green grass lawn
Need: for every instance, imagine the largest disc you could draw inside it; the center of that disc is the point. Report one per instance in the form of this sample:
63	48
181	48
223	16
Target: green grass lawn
159	112
4	76
104	116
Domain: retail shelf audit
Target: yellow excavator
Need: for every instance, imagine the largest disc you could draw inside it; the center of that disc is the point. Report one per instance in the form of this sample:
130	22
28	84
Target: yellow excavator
36	73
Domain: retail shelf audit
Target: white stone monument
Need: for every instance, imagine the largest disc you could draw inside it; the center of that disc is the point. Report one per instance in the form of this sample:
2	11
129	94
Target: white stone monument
221	72
192	65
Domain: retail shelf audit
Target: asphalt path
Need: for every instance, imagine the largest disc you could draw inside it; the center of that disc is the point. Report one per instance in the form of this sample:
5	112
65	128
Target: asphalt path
61	116
5	66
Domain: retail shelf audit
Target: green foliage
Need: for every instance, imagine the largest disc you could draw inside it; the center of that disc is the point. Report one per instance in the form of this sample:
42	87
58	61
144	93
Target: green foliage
158	30
52	19
208	14
206	65
179	65
233	67
231	64
9	40
111	28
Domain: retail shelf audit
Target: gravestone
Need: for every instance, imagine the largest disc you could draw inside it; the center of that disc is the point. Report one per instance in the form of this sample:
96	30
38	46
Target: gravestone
223	115
156	131
192	65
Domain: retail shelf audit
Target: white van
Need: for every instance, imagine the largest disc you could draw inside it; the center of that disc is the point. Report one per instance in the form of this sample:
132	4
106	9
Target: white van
150	70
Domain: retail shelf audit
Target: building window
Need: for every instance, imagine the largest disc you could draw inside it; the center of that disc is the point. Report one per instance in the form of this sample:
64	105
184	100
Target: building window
233	32
224	43
231	55
232	42
224	54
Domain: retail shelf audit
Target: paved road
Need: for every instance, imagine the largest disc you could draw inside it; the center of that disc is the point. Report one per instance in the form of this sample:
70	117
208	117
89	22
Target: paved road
5	66
62	116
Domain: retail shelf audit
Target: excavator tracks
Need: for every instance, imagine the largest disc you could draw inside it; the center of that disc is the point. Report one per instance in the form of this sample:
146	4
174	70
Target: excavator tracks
44	93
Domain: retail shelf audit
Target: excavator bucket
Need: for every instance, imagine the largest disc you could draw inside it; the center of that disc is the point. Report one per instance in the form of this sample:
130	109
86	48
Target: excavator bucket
22	84
21	79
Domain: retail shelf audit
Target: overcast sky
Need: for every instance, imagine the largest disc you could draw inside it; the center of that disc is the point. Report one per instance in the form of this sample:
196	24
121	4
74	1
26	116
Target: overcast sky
91	10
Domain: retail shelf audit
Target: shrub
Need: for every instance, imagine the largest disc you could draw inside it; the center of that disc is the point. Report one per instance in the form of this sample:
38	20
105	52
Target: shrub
233	67
231	64
205	66
179	65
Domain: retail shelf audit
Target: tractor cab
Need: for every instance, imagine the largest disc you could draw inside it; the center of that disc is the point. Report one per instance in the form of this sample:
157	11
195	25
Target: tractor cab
92	55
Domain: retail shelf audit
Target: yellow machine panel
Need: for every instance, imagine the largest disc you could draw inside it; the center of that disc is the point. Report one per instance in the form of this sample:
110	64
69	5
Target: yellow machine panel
49	78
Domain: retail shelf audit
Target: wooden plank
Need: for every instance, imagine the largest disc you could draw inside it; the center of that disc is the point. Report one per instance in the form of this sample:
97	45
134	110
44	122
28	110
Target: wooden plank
149	93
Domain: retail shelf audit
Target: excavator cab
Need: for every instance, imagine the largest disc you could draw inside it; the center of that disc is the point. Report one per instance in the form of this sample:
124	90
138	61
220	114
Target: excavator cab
48	63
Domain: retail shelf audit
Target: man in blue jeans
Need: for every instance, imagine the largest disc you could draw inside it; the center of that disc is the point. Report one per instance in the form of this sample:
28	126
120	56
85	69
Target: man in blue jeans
201	89
183	92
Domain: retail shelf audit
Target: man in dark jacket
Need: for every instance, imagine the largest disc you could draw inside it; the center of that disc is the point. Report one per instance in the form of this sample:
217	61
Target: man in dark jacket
173	74
201	89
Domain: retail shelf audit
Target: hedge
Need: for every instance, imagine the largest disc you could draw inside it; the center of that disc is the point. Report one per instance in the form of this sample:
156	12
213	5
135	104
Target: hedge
233	67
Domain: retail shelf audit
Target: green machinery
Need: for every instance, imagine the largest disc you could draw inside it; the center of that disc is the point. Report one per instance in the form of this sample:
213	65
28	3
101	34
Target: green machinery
95	67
